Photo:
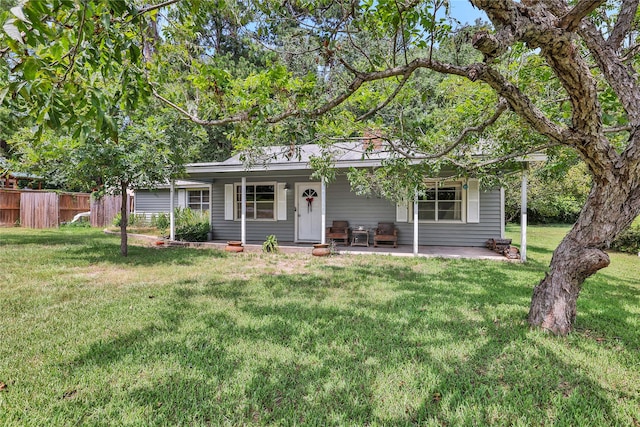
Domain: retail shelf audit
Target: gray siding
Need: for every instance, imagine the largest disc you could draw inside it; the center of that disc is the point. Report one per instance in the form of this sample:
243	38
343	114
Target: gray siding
154	201
342	204
256	230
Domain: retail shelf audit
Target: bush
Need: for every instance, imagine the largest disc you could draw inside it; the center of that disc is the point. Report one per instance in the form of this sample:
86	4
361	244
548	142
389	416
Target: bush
137	220
191	226
117	220
628	241
162	223
270	244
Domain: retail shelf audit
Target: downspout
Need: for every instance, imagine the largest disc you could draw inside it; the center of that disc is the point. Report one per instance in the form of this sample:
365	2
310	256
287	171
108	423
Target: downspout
172	215
243	210
523	216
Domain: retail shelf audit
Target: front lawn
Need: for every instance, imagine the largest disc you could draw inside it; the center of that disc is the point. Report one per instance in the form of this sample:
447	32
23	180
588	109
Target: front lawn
180	336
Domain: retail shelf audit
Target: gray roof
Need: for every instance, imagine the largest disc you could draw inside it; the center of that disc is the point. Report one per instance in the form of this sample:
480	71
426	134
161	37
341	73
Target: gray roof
344	155
298	157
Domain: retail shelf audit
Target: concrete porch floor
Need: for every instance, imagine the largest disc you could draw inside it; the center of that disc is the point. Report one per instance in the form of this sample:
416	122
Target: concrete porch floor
402	250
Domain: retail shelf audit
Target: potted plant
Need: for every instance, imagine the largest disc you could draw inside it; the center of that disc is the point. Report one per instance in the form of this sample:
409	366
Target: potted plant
270	244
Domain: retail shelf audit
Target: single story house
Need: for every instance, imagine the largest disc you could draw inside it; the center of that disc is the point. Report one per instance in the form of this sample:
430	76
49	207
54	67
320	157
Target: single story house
282	199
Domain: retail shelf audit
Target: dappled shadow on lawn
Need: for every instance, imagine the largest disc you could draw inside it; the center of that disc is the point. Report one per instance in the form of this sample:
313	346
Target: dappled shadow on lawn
604	311
141	255
370	344
95	247
51	237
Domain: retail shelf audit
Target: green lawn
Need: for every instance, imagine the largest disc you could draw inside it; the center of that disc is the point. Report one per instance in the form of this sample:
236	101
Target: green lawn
182	336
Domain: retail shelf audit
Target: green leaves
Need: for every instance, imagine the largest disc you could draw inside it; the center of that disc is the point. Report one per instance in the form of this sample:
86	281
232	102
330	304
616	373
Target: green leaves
29	68
75	55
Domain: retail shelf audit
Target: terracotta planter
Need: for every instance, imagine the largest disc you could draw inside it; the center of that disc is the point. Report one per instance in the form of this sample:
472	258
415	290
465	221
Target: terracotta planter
234	246
321	249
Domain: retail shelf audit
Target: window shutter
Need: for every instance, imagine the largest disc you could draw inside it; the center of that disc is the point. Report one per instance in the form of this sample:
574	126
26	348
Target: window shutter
402	213
228	202
282	201
182	198
473	201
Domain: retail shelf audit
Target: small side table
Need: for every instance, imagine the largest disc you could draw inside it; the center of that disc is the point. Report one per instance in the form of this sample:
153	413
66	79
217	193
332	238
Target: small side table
360	238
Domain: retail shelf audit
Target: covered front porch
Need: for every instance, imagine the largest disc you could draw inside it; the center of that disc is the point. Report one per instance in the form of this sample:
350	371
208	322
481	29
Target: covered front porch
284	200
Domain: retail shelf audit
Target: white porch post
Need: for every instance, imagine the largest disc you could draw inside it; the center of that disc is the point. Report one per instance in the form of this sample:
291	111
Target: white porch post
210	210
415	223
172	215
323	193
243	212
502	214
523	217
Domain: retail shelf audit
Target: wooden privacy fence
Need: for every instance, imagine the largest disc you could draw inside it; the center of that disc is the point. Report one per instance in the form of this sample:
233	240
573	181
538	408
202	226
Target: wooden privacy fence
43	209
105	209
47	210
9	207
40	209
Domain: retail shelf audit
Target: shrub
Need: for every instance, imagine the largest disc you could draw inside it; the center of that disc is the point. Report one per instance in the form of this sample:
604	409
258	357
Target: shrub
270	244
628	241
138	220
117	220
191	226
162	223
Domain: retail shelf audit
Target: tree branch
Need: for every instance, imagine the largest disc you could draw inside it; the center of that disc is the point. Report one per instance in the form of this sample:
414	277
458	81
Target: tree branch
242	117
621	77
506	157
519	103
623	23
501	107
152	7
72	59
571	20
491	45
386	102
616	129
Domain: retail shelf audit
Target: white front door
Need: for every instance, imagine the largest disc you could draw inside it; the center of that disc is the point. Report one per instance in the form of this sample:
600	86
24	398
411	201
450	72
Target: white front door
309	211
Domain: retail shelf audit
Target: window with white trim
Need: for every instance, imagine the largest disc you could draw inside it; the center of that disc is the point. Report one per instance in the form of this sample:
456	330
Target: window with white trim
441	201
198	200
261	201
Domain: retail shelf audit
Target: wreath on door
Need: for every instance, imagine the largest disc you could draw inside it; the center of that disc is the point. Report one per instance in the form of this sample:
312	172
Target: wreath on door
309	194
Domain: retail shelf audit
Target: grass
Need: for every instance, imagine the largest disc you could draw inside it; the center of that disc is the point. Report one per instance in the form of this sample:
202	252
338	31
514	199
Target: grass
181	336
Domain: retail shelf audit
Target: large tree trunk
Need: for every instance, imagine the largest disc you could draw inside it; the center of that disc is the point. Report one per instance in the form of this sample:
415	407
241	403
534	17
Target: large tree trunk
124	216
581	254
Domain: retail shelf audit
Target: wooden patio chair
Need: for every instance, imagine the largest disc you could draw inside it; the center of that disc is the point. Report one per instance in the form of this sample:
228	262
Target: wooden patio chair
386	233
339	230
